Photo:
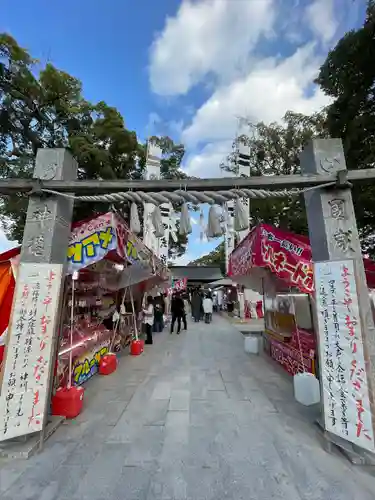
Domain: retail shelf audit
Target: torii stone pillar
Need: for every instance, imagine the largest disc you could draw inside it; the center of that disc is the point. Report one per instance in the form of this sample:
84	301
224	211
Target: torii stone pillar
33	328
334	234
48	222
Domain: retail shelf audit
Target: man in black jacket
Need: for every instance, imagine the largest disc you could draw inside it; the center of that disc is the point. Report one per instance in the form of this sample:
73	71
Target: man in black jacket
177	310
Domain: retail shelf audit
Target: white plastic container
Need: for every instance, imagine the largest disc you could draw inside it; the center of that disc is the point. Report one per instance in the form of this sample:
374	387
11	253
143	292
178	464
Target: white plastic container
306	389
252	344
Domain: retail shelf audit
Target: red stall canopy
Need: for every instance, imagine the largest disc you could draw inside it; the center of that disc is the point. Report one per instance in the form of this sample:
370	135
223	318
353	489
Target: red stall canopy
285	254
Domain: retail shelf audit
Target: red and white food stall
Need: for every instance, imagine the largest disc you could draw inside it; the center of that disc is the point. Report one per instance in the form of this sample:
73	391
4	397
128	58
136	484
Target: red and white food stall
278	264
114	270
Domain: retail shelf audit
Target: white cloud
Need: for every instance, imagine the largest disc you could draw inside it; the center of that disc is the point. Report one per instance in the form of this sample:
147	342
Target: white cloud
220	43
322	20
206	162
208	37
184	259
273	87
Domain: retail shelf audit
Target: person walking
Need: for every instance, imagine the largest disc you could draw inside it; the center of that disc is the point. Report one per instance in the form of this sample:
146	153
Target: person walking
186	310
208	308
196	305
148	319
177	310
159	309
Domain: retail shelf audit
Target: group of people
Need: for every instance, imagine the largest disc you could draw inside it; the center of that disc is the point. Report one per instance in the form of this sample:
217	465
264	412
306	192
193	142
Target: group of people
201	306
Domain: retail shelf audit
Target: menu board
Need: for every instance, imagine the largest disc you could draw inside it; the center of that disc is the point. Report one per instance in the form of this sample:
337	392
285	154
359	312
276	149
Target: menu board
24	390
347	411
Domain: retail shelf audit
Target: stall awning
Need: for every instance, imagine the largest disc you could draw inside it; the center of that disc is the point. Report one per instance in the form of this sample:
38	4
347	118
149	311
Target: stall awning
107	237
223	282
284	254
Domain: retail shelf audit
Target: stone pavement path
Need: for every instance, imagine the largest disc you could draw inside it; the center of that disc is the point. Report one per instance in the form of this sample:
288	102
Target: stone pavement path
193	418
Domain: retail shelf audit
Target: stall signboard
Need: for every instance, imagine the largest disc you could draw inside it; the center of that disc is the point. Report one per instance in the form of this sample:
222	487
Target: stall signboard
24	389
347	411
286	255
292	360
91	241
179	284
87	365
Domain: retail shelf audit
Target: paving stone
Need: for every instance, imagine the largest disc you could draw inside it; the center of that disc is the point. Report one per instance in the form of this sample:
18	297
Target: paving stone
133	483
146	448
162	391
180	400
103	473
193	418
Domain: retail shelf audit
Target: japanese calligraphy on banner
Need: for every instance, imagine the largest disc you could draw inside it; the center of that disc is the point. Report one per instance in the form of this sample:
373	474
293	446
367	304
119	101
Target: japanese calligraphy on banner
285	254
24	391
91	241
163	243
179	284
347	410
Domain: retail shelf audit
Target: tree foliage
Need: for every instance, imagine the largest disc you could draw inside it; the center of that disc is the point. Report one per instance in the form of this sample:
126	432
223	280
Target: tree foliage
274	150
47	108
348	76
214	258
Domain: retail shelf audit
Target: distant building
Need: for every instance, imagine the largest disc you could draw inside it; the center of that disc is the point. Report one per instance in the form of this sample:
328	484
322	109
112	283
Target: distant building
197	275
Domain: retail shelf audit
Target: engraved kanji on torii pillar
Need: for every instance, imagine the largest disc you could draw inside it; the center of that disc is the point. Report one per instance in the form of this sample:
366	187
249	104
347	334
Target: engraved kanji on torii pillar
334	237
33	328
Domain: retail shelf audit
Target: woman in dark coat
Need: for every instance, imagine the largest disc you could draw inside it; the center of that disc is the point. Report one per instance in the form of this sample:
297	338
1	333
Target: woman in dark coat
196	305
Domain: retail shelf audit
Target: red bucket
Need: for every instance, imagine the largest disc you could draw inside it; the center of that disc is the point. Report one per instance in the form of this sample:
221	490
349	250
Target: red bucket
108	364
68	403
136	347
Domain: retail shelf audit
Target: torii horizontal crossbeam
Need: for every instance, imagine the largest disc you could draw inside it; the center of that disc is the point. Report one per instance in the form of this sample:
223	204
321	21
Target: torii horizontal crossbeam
90	187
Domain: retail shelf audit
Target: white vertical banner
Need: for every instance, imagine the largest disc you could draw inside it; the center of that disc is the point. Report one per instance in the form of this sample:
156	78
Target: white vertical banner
345	387
243	163
229	232
154	154
29	355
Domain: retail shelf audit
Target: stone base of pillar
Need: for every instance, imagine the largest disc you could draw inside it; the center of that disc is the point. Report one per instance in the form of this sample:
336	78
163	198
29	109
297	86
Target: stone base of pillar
26	446
355	455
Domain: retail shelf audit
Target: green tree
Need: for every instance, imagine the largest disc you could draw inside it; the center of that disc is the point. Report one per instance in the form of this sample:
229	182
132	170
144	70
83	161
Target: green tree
214	258
47	109
348	76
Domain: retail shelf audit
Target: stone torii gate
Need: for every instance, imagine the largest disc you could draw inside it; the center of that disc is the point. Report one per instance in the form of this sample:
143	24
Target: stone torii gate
26	378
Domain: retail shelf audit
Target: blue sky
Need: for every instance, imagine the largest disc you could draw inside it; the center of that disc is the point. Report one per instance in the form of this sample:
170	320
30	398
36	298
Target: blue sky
188	68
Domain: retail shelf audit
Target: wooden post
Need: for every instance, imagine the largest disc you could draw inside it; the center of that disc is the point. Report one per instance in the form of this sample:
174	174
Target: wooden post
334	237
33	328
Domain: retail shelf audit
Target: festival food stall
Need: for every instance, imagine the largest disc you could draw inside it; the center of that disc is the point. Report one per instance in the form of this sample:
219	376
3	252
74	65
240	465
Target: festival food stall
112	271
278	264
